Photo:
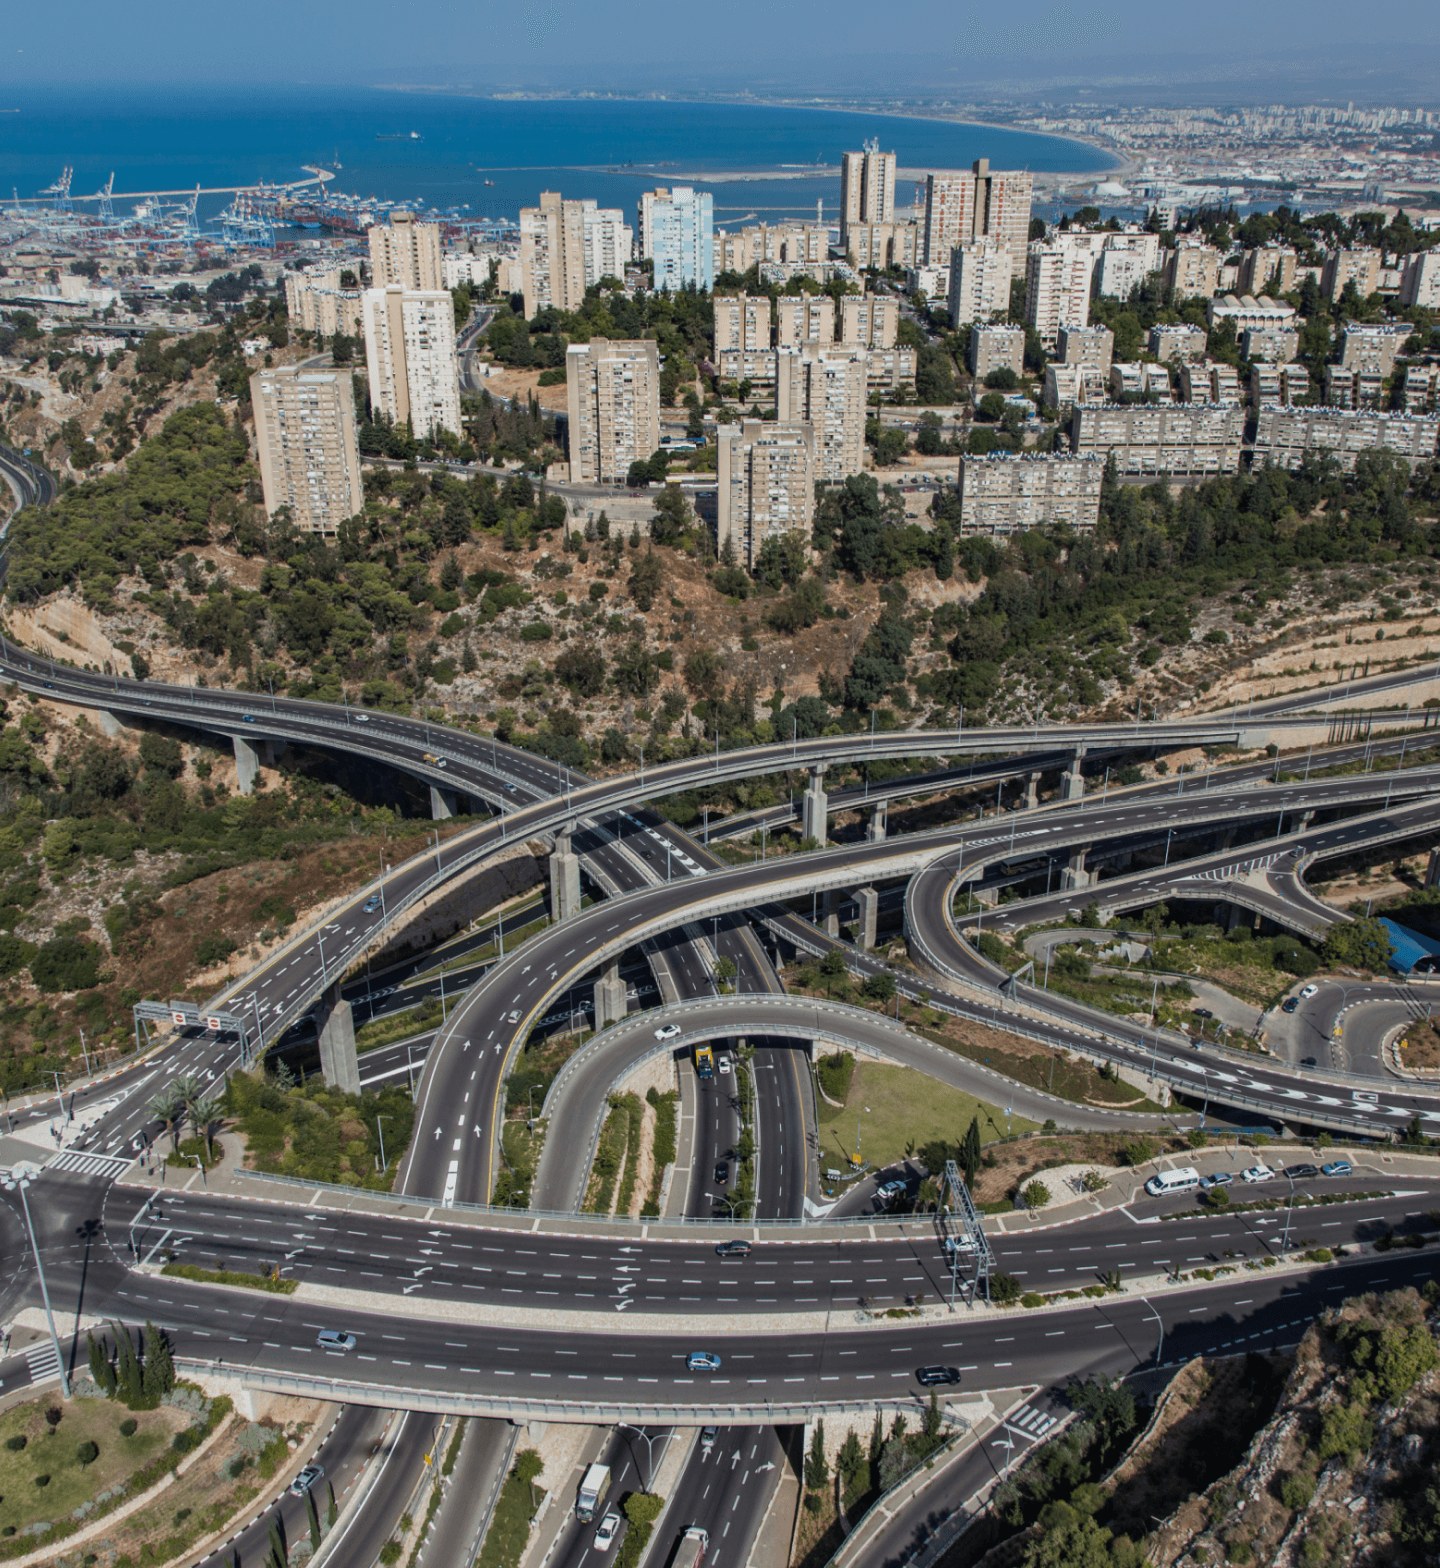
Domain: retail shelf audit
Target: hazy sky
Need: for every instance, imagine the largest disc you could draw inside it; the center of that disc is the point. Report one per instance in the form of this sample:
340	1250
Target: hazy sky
1390	49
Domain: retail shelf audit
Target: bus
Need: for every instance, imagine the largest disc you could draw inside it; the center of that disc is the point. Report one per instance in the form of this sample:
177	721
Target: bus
704	1062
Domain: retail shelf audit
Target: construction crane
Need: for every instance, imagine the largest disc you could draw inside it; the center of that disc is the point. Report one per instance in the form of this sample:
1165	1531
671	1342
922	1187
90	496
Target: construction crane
107	210
60	190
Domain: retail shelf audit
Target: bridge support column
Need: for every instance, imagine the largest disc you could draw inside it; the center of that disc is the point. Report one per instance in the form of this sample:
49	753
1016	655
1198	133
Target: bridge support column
1075	875
1432	870
813	808
247	765
274	750
830	915
869	901
337	1043
442	803
564	878
1225	838
110	725
879	816
609	997
1072	781
1032	793
1303	821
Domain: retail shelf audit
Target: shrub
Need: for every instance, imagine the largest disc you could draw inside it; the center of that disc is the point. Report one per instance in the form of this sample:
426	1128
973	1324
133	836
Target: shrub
1297	1489
213	950
1032	1298
1137	1151
1218	1198
1004	1289
1036	1195
42	1481
390	1553
87	1453
184	1441
66	964
16	1443
54	1416
129	1427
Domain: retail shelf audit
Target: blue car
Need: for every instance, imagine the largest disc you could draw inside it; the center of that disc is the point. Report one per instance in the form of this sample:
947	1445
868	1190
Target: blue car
1337	1168
702	1361
247	718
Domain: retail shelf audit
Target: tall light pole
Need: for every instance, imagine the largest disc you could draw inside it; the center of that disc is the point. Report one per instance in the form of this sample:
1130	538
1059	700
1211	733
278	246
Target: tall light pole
380	1133
17	1179
1160	1342
649	1440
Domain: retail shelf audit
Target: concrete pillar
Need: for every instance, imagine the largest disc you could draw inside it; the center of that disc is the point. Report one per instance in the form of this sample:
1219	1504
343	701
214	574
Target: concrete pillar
247	765
1432	870
879	816
869	901
564	878
609	997
1303	821
813	811
337	1042
1075	875
830	919
1032	793
273	750
110	726
1226	838
442	803
1072	781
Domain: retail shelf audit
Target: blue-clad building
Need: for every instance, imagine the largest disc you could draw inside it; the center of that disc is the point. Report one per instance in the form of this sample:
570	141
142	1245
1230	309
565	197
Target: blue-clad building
677	232
1415	953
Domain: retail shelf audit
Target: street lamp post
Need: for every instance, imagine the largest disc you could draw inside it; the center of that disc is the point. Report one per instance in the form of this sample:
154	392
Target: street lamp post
380	1133
648	1439
1289	1215
1159	1320
17	1179
200	1166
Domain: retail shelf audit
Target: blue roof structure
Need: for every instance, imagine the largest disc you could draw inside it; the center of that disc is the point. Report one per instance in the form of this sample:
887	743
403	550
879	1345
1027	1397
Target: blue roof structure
1413	951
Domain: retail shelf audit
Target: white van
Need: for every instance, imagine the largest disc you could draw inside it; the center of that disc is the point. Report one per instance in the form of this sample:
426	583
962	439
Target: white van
1184	1178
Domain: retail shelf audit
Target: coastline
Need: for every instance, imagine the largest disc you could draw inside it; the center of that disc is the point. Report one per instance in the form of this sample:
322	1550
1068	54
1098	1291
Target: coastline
1115	162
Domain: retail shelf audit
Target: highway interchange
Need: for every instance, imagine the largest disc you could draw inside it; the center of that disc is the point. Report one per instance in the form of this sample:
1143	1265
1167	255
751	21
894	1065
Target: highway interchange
527	1337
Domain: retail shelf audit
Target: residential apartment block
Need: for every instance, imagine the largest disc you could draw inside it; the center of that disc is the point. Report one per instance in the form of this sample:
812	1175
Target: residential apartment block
1067	385
317	303
1193	270
410	357
1135	378
1005	494
801	317
1420	281
1177	342
406	254
677	233
1283	384
980	273
309	460
1362	267
1119	272
1057	289
1180	441
566	246
826	387
613	398
882	245
1264	263
993	348
867	189
1092	346
742	321
1418	388
797	244
1285	435
1373	345
757	366
871	320
962	207
1354	386
1277	344
766	473
1213	382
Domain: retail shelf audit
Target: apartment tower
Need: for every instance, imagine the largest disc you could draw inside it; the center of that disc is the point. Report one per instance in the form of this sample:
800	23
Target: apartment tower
980	273
613	395
410	357
568	246
964	206
405	253
767	476
826	387
867	188
677	233
309	460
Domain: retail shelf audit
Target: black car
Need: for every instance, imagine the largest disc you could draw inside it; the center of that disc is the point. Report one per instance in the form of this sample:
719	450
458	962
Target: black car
1302	1172
1289	1004
734	1249
1308	1061
933	1377
722	1171
1202	1012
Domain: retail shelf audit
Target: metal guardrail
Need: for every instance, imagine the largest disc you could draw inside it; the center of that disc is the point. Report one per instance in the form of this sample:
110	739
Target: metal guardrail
576	1412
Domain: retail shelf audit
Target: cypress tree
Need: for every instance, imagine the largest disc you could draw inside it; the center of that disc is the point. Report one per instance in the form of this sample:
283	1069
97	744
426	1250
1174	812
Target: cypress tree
314	1511
277	1557
159	1375
970	1152
131	1383
100	1368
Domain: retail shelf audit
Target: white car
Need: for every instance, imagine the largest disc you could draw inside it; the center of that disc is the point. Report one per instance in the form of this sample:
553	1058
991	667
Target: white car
1308	991
609	1529
724	1064
1257	1173
514	1017
362	718
667	1031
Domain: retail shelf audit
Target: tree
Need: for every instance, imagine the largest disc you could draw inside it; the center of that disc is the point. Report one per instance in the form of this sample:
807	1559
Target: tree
672	517
880	987
102	1371
970	1152
1075	1541
158	1378
131	1384
168	1108
314	1511
87	1453
526	1469
833	964
1362	944
703	673
581	668
817	1466
646	575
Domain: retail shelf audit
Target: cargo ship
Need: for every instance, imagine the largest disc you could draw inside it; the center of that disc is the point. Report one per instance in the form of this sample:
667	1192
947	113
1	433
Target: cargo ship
399	136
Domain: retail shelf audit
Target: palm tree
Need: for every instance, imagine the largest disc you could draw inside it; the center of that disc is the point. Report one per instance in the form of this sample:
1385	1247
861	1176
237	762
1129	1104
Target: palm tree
168	1107
204	1114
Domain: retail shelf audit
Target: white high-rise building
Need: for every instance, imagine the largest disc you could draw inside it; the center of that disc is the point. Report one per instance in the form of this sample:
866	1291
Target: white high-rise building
1057	289
309	460
405	253
677	233
801	317
826	386
962	206
742	321
613	397
1120	271
767	475
867	189
567	247
979	281
410	357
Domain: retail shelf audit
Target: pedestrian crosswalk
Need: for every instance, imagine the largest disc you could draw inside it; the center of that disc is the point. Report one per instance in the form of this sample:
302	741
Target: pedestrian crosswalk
91	1164
43	1362
1034	1422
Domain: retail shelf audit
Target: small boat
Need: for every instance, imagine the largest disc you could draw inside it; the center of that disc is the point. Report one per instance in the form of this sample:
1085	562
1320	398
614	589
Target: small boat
489	182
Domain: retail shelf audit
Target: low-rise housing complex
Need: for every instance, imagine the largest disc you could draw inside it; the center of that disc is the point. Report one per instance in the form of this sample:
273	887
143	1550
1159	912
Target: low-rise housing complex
1005	493
1284	436
1180	441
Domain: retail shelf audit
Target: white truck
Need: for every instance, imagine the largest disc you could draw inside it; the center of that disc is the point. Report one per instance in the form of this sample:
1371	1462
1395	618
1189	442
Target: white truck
692	1548
594	1484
